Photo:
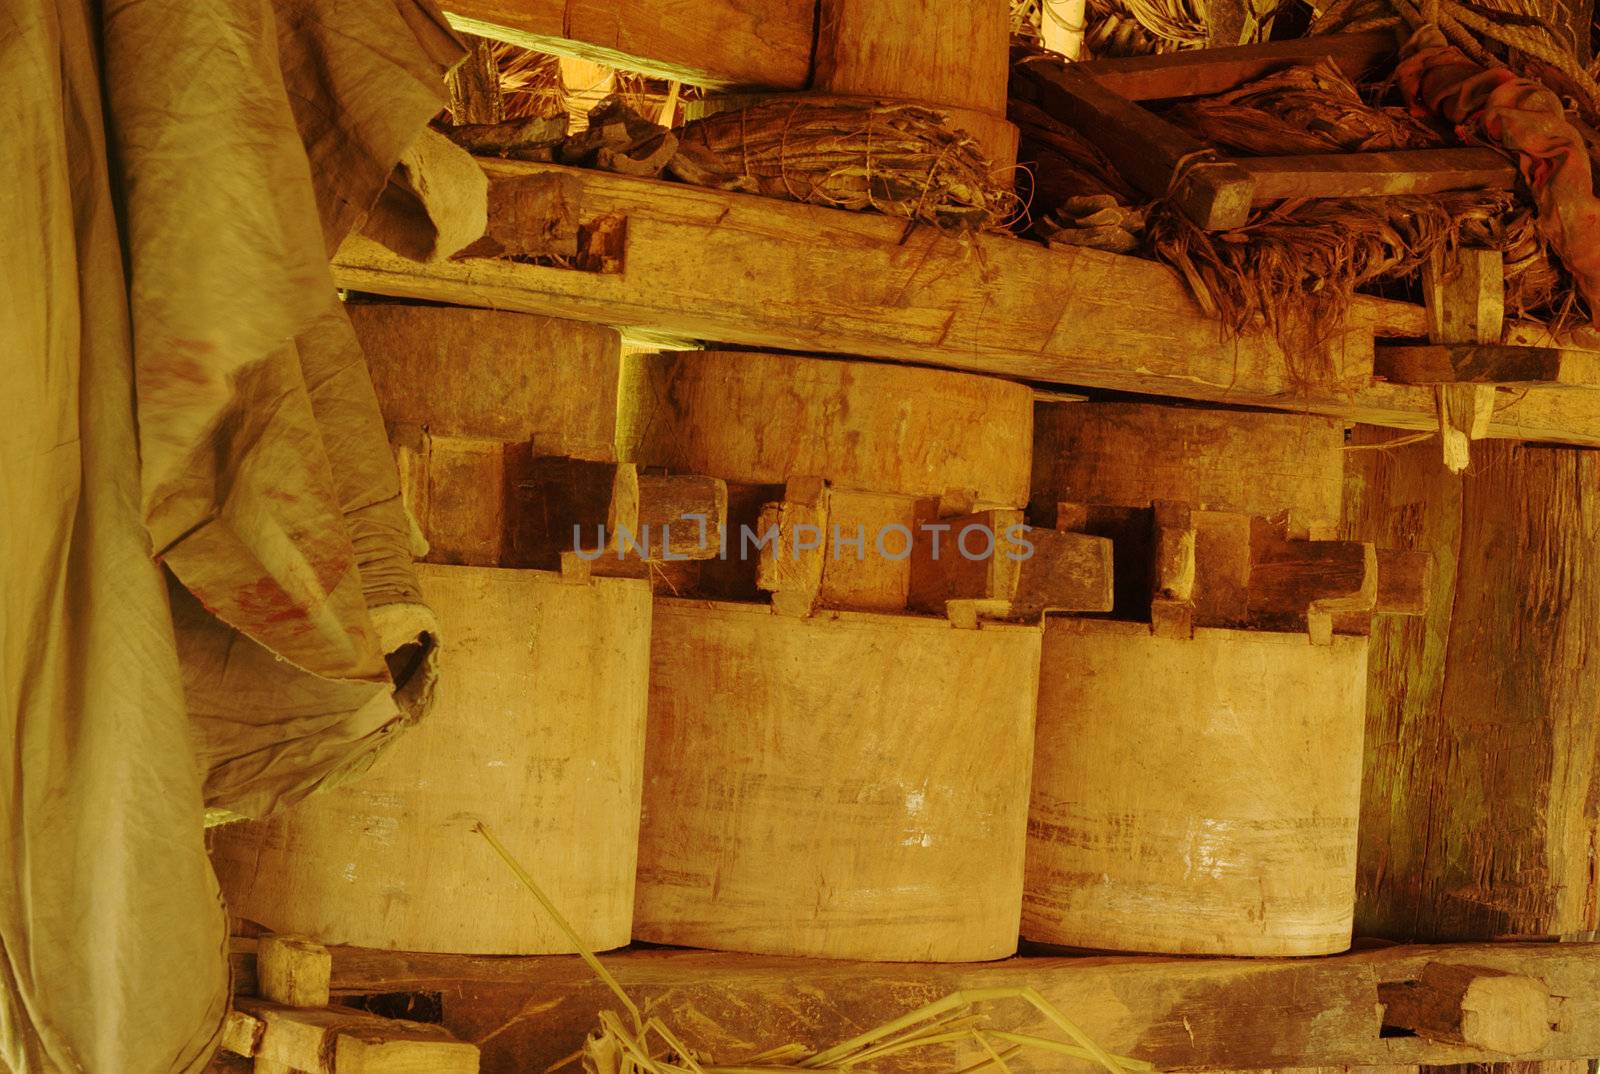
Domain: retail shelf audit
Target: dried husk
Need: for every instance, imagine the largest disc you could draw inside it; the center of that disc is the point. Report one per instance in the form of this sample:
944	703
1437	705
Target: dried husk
901	160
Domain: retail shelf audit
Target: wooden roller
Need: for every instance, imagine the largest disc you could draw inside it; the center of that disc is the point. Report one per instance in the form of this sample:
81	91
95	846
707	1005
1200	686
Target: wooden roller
495	375
538	730
1242	461
845	786
1195	795
864	426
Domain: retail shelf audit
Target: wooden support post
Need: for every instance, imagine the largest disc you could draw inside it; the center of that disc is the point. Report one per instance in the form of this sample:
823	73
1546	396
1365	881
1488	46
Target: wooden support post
1481	781
685	514
293	971
952	57
1476	1005
1465	298
795	530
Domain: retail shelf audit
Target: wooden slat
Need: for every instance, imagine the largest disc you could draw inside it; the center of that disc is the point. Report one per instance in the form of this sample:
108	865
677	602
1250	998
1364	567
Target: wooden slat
1180	1014
721	44
1214	70
1370	175
1487	363
1149	152
737	268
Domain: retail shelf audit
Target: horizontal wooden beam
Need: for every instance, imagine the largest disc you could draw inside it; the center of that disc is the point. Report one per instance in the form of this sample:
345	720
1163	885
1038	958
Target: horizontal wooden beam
1179	1014
1372	175
737	268
720	44
1487	363
1216	70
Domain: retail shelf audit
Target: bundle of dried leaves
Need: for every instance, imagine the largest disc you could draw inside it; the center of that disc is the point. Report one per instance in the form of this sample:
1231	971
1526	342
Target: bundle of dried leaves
901	160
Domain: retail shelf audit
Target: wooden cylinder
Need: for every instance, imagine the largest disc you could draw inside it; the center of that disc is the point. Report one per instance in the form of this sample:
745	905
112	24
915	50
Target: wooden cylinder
845	786
537	730
868	426
1245	461
1195	796
950	56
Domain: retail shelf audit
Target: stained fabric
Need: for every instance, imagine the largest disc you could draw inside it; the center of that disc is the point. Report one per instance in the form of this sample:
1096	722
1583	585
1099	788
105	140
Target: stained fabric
1527	119
206	598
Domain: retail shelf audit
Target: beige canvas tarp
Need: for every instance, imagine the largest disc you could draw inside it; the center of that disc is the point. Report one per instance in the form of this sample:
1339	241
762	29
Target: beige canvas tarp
204	564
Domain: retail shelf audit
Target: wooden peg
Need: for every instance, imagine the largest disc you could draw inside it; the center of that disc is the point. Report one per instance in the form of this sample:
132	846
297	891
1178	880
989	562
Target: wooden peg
1472	1005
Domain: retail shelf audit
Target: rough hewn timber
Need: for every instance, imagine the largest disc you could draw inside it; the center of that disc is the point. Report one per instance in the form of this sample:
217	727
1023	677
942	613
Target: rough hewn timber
1180	1014
738	268
1483	750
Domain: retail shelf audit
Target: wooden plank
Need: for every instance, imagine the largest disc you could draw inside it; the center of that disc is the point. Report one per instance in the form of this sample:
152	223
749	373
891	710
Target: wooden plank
719	44
985	303
1180	1014
1215	70
1369	175
1500	1011
1149	152
293	970
1482	772
342	1040
1486	363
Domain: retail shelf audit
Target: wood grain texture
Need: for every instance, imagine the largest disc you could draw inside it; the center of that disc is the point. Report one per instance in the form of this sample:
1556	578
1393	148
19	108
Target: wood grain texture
718	44
1215	70
1133	454
1173	809
1376	175
845	786
1487	363
806	278
1180	1014
538	730
1479	809
867	426
494	375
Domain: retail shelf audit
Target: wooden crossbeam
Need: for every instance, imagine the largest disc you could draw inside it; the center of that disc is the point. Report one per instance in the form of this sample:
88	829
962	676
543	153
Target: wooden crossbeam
1179	1014
1370	175
1487	363
737	268
1216	70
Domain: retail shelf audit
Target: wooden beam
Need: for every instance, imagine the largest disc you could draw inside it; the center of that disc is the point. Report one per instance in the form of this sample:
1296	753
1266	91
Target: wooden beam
737	268
720	44
1152	154
1371	175
1179	1014
1215	70
1487	363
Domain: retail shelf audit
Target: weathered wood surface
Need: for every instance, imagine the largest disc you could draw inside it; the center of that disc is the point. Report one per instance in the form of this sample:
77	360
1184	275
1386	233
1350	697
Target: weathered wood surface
494	375
1152	154
1180	1014
1500	1011
353	1042
1371	175
1214	70
757	271
1173	809
1482	786
867	426
1487	363
844	786
720	43
1135	454
538	730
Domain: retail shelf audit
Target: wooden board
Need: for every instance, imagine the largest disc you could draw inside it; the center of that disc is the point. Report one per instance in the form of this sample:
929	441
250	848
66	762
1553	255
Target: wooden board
1134	454
1487	363
495	375
1173	806
538	730
806	278
845	786
1479	809
857	574
1216	70
722	43
866	426
1181	1014
1374	175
